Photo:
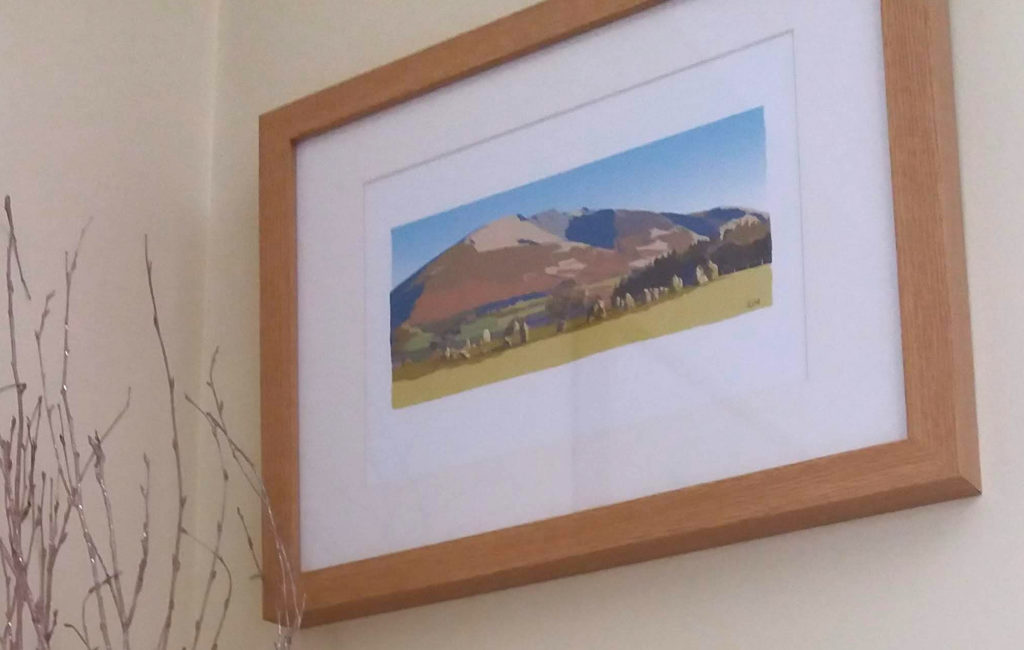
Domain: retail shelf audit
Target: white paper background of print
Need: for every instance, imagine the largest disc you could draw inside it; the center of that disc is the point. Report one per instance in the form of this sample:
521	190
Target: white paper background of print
565	439
618	390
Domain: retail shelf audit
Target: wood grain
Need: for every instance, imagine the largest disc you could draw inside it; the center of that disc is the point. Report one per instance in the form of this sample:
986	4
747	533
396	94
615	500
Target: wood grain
936	326
279	390
938	461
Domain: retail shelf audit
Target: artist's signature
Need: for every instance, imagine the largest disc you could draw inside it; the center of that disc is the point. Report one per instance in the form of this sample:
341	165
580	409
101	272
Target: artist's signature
753	302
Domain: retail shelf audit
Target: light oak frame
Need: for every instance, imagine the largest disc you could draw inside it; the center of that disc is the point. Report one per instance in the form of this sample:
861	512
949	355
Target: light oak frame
938	461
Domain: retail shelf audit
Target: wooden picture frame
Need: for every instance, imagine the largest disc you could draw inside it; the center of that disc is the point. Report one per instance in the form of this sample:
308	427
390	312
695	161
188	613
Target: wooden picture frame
937	461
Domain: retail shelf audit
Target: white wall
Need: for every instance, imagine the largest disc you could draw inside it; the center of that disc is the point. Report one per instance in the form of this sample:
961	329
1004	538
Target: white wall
106	109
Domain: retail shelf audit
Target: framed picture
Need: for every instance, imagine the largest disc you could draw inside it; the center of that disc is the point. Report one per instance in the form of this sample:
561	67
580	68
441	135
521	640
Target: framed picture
609	280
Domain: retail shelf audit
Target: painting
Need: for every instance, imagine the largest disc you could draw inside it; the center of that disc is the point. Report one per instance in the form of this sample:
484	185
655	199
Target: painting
660	238
546	298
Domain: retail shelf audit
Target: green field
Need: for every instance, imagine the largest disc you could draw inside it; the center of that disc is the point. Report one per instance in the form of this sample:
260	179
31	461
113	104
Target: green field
728	296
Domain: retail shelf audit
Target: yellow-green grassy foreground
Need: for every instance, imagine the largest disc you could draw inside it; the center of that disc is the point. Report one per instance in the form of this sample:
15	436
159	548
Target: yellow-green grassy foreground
723	298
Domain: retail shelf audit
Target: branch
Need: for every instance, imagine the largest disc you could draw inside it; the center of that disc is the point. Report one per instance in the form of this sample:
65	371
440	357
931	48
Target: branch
252	547
144	543
14	246
175	445
114	584
80	636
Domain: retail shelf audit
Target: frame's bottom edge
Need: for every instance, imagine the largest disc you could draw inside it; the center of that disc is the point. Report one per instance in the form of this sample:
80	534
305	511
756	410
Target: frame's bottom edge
935	491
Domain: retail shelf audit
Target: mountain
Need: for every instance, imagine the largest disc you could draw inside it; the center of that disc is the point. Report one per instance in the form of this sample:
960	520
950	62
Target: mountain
517	257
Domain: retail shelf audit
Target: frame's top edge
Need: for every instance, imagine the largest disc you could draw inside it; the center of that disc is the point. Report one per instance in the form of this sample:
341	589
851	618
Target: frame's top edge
491	44
283	110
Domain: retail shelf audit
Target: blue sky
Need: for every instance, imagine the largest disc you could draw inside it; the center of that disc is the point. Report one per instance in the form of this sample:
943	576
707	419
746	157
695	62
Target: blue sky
718	164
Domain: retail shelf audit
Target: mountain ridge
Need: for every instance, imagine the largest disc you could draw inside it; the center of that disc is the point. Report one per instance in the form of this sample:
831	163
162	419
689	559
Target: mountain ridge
515	255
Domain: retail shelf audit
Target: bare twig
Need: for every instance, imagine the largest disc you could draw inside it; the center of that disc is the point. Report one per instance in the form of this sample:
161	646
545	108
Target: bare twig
252	547
14	246
78	633
140	574
176	447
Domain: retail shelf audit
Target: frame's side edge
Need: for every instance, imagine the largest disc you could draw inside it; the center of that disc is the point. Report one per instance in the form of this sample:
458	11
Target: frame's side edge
485	47
278	356
938	365
956	256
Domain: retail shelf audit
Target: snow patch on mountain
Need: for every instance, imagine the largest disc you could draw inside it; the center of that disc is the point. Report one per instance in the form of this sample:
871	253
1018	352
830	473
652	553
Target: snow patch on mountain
512	230
746	220
655	248
567	267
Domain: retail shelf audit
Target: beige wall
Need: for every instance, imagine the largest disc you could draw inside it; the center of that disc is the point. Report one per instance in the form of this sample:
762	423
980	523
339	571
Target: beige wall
137	113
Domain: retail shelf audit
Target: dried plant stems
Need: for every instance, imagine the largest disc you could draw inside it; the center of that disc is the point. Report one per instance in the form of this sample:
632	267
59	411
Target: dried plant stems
101	575
14	557
290	616
38	508
29	498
